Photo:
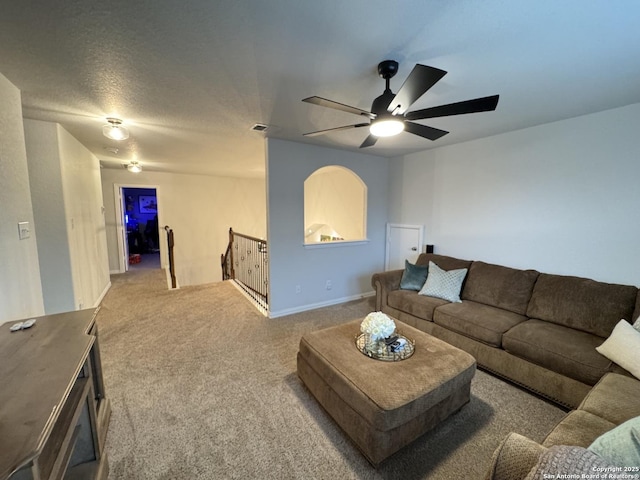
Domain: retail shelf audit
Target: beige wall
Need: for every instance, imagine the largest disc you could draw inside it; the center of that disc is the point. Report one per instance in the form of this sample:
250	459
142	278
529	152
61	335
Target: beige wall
200	209
67	204
20	290
82	189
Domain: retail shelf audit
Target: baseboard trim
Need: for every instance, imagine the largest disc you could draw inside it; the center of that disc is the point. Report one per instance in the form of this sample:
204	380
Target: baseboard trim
102	295
314	306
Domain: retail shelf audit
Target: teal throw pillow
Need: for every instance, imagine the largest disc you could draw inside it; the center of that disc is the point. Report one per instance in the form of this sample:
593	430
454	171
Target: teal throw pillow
620	446
413	277
443	284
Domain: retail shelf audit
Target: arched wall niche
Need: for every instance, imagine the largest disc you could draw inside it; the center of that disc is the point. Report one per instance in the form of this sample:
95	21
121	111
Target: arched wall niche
335	206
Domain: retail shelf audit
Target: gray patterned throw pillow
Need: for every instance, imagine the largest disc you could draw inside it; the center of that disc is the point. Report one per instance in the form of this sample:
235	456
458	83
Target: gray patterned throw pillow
443	284
562	461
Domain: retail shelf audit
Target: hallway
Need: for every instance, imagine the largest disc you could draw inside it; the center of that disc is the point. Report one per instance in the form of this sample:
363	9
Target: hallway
147	261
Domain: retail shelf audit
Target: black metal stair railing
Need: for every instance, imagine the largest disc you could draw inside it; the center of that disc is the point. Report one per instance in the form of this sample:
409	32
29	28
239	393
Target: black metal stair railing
172	267
245	261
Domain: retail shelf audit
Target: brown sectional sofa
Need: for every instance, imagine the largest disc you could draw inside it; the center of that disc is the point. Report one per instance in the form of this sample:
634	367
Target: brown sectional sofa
535	329
610	403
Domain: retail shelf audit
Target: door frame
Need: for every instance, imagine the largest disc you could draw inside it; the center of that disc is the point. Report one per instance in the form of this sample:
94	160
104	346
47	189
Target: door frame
123	247
419	228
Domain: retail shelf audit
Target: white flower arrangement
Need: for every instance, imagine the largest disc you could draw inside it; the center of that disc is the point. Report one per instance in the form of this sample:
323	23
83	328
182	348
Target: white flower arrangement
378	325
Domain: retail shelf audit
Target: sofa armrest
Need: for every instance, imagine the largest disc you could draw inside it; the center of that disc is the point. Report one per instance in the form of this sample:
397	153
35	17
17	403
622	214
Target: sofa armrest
514	458
383	283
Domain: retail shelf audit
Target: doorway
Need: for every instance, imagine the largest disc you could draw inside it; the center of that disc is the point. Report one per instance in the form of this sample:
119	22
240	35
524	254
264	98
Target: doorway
140	228
403	243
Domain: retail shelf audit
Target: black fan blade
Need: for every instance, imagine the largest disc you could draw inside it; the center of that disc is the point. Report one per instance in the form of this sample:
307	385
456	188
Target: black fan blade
424	131
336	129
323	102
369	141
421	79
484	104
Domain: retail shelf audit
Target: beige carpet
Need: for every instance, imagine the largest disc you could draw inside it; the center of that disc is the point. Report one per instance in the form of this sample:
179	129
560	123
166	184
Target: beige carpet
204	387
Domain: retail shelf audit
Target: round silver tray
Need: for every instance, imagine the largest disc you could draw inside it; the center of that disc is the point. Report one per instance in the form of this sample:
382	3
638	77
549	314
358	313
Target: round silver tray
385	353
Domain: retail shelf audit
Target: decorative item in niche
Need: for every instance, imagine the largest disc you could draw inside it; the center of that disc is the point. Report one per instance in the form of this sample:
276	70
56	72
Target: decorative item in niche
329	238
335	200
320	232
148	204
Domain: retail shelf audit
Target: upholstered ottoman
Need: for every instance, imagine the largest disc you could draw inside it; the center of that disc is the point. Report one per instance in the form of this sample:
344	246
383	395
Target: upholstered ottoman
383	406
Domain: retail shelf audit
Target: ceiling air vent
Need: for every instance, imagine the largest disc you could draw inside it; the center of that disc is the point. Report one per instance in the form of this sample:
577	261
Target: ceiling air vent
259	127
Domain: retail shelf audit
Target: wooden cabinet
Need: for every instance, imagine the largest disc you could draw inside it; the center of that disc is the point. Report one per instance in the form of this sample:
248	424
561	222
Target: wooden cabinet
54	414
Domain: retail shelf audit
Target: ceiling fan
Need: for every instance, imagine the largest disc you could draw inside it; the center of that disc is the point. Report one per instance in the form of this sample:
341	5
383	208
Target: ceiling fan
389	116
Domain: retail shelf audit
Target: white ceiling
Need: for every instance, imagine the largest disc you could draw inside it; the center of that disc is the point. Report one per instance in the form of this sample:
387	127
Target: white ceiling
190	78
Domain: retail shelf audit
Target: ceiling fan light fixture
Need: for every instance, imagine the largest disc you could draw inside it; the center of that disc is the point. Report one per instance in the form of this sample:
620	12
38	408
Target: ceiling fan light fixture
114	129
134	167
386	127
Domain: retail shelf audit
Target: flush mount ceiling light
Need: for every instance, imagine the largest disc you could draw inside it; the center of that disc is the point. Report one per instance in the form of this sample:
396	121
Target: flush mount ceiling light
134	167
386	127
114	129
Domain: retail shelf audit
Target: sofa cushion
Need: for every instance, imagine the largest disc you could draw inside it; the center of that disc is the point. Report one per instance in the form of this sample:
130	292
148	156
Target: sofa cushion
478	321
444	262
560	349
623	347
417	305
578	428
499	286
636	312
616	407
413	276
615	368
581	303
514	457
444	284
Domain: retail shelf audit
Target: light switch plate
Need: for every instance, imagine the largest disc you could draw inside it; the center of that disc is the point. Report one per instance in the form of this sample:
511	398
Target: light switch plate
24	230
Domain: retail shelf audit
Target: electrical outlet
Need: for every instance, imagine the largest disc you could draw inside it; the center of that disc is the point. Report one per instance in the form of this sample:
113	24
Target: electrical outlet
328	285
298	289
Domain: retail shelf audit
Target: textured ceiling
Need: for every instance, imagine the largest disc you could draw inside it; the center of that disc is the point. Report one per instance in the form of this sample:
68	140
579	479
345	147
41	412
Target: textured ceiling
190	78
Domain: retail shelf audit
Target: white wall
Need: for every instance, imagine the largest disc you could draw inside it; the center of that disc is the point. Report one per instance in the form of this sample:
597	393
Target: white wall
67	205
85	220
20	290
348	267
200	209
45	177
560	198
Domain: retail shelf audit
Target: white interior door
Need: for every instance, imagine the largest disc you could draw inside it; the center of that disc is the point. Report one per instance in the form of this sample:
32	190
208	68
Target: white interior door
123	246
403	243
